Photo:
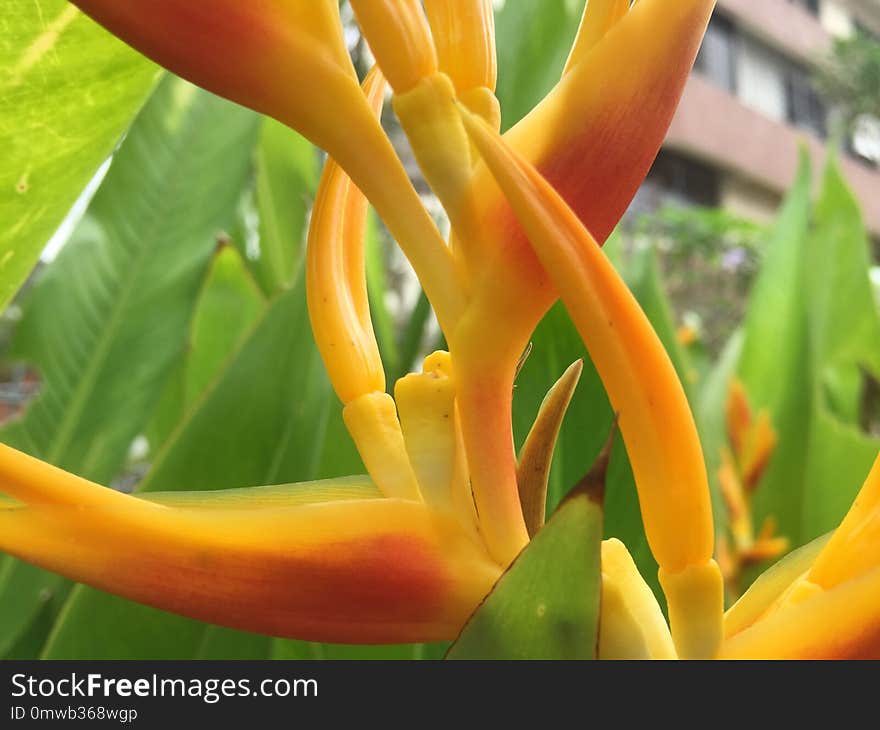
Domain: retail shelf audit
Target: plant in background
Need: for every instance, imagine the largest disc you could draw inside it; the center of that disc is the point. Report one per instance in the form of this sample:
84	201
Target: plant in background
850	77
447	514
710	258
751	440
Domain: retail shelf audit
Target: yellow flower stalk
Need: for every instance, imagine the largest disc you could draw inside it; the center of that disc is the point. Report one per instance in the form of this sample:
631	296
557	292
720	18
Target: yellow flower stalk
408	553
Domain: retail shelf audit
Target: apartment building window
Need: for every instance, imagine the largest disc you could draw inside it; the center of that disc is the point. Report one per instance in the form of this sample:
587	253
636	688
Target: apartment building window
680	179
811	6
717	58
761	77
805	107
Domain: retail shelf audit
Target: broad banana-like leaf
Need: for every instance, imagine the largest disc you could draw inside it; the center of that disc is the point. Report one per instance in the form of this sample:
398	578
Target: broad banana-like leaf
811	315
533	38
68	91
137	258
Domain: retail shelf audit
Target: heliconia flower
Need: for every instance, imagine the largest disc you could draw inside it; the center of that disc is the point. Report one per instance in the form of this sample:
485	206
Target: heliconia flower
408	553
432	56
595	140
823	601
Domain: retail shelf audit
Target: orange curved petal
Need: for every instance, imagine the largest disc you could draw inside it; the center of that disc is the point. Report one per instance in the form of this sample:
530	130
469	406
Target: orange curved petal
594	138
248	52
596	134
841	623
655	418
336	283
352	569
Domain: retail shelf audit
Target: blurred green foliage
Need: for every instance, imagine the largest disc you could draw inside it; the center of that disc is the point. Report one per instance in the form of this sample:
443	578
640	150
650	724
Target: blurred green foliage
850	76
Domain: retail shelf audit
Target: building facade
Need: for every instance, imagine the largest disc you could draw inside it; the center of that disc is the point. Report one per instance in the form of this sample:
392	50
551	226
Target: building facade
751	102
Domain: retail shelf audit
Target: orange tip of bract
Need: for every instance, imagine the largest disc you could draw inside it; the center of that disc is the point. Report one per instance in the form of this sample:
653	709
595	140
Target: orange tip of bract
254	53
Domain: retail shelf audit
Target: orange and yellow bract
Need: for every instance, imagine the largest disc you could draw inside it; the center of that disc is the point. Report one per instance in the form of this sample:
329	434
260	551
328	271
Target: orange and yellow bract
408	553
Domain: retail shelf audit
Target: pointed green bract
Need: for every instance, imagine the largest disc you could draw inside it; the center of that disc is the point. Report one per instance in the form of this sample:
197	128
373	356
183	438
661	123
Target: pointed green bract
546	606
68	91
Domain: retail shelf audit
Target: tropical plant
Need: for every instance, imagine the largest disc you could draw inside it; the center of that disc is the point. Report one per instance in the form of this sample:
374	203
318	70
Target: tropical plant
205	349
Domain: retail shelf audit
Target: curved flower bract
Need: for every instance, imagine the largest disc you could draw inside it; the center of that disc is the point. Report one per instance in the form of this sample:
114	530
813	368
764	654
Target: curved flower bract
310	561
409	552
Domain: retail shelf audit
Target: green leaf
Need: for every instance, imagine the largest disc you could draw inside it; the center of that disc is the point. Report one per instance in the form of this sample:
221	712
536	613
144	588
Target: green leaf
775	365
68	90
777	303
25	594
837	270
711	421
226	644
377	287
533	38
546	606
108	317
28	643
228	306
263	421
811	319
845	336
287	176
95	625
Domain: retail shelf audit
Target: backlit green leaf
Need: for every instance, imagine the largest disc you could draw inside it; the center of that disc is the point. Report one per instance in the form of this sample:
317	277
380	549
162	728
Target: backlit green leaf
68	90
